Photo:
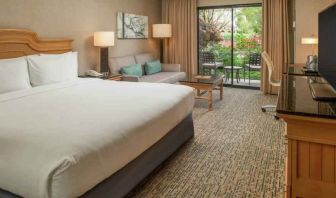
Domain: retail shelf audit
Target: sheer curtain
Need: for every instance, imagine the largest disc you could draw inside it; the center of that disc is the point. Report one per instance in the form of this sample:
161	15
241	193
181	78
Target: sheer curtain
275	40
182	47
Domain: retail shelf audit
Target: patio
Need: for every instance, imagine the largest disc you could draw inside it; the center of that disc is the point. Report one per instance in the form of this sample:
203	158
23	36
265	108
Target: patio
246	72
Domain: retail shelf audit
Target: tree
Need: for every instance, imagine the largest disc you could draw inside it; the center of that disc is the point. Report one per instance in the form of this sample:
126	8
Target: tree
248	20
212	24
248	23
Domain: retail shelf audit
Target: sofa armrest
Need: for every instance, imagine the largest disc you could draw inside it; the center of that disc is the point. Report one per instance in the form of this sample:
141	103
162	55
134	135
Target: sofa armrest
130	78
171	67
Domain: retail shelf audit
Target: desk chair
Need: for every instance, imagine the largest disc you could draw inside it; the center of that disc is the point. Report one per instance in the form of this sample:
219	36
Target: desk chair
270	68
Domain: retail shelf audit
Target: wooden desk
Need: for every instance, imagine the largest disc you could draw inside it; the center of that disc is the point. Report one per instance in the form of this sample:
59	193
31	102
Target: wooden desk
311	133
300	71
296	64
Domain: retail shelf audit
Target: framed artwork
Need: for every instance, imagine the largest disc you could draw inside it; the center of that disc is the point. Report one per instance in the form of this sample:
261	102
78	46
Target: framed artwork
132	26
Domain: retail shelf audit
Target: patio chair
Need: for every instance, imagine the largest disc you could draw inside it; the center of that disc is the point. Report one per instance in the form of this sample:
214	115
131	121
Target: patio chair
254	64
209	63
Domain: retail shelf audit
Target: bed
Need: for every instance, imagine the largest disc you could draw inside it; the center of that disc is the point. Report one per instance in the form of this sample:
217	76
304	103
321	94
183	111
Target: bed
89	137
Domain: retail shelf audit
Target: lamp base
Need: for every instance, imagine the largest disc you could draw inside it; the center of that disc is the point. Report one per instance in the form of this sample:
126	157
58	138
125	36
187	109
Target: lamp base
104	67
161	50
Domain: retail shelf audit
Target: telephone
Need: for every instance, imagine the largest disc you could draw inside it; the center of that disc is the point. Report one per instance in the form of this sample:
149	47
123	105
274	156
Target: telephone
93	73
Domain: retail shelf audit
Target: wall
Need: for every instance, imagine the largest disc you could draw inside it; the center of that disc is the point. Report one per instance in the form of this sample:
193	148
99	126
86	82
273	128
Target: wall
78	20
225	2
307	24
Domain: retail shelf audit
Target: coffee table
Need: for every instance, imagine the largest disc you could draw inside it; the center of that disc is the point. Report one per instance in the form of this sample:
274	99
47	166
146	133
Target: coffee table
205	84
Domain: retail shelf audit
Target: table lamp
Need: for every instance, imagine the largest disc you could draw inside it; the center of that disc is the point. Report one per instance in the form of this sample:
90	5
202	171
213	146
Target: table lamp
104	40
162	31
311	59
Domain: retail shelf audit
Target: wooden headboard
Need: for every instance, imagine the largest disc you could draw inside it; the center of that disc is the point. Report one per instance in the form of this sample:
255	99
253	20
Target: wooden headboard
15	43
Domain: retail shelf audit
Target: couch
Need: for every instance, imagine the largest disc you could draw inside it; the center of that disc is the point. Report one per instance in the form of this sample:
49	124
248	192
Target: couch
171	73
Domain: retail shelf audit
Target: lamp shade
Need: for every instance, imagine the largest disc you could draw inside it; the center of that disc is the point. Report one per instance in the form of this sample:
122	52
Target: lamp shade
309	40
103	39
162	30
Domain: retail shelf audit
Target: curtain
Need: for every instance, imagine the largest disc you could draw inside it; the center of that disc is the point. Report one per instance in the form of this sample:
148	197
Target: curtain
182	47
275	40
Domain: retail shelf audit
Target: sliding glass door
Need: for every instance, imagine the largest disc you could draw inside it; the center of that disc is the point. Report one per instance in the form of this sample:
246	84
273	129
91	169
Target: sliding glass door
229	43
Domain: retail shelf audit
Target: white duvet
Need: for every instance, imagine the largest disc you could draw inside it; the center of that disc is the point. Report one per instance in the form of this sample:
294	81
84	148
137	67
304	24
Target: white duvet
61	140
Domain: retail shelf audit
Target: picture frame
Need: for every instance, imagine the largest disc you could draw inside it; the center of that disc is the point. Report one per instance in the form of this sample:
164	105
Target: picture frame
132	26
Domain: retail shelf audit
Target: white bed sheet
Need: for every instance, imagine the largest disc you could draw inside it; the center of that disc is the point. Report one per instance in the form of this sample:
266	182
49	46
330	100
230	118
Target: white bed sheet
61	140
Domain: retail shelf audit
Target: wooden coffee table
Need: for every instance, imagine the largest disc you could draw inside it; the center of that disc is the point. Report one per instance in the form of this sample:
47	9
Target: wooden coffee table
205	84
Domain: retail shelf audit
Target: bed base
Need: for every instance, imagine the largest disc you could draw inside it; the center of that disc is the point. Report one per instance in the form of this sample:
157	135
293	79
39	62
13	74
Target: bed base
126	179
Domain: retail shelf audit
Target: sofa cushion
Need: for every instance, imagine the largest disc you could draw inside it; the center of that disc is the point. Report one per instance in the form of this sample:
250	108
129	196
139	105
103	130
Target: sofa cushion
118	62
143	58
133	70
153	67
164	77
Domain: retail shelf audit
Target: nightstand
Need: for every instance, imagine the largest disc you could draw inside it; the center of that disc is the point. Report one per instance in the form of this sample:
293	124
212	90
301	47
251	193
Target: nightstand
116	77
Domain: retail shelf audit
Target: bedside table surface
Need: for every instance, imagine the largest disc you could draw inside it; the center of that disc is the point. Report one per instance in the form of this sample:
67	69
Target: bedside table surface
102	77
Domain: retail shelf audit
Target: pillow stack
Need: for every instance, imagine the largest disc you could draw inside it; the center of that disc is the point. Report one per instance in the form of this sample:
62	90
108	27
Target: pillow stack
36	70
52	68
14	75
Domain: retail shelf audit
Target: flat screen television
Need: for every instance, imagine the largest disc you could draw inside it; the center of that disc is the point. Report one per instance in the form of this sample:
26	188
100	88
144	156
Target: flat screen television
327	45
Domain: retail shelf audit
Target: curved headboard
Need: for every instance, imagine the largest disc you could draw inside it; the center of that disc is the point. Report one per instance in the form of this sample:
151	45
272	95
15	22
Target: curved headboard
15	43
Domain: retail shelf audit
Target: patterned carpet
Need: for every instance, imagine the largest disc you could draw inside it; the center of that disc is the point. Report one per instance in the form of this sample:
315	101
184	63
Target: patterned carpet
238	151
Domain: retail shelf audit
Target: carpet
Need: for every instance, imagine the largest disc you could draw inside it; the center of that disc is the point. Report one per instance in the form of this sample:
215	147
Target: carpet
237	151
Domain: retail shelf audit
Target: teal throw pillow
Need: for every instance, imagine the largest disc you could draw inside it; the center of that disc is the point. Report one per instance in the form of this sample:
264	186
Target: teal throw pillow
133	70
153	67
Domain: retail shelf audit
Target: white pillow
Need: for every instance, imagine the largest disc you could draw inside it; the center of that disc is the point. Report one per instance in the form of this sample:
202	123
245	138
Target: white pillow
52	68
14	74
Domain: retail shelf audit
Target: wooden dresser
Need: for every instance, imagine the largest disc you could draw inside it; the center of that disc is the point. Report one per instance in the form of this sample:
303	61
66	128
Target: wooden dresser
311	133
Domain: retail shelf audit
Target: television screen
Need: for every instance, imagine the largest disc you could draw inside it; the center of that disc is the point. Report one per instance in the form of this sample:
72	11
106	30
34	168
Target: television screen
327	45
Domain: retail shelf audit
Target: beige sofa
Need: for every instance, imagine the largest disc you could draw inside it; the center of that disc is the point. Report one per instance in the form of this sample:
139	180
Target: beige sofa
171	73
